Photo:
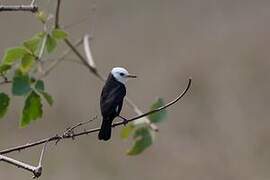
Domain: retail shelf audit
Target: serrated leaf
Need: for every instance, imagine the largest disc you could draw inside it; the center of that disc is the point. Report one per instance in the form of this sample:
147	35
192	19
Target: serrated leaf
32	44
4	103
21	85
4	68
143	139
27	63
160	115
13	54
50	44
126	131
40	86
32	109
59	34
48	98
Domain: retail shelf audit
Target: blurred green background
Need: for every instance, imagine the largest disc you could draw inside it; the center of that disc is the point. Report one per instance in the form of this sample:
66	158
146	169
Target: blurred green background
220	130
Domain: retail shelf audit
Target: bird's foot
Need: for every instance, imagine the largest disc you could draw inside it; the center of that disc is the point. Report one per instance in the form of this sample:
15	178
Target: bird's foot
125	121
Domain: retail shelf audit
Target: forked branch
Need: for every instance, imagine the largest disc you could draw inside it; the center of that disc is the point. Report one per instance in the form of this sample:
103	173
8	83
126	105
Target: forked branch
36	170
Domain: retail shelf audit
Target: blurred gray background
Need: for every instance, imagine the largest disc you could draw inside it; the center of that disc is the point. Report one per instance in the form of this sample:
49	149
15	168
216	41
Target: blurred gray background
220	130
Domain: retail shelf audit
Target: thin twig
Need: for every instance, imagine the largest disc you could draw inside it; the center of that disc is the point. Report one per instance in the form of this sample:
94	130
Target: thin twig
68	136
42	154
70	131
57	13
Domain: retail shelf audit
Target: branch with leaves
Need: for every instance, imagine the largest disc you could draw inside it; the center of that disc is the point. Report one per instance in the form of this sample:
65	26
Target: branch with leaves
25	67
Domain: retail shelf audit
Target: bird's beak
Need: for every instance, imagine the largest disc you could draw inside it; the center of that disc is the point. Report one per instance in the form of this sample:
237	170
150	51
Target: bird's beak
131	76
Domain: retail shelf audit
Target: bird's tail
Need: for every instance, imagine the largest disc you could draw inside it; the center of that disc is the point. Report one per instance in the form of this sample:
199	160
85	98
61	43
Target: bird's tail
105	130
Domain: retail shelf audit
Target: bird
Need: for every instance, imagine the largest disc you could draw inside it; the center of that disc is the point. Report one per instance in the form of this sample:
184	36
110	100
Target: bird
111	100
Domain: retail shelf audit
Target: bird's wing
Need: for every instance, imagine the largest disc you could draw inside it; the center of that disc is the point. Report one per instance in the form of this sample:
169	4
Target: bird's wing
110	100
119	108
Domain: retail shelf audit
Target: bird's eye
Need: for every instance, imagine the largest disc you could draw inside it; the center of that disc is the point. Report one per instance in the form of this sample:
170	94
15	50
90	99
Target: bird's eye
121	74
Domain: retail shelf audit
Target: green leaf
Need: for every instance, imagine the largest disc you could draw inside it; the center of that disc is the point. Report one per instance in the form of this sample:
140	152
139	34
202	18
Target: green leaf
27	63
48	98
4	103
126	131
143	139
13	54
50	44
40	86
4	68
160	115
40	35
20	85
59	34
32	109
32	44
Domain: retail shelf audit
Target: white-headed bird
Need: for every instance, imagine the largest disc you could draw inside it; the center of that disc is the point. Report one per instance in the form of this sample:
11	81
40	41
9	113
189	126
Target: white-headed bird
111	100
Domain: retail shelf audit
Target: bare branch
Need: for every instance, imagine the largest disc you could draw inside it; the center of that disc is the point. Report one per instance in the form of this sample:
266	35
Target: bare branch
42	154
72	135
32	7
17	163
56	23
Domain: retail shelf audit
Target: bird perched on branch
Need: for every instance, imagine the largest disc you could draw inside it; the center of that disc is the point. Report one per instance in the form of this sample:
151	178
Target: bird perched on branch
111	100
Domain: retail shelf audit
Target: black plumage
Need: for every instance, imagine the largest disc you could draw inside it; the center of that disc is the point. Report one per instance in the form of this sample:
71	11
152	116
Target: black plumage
111	102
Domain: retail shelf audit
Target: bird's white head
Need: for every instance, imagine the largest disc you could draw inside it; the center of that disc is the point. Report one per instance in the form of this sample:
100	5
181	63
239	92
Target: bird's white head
121	74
